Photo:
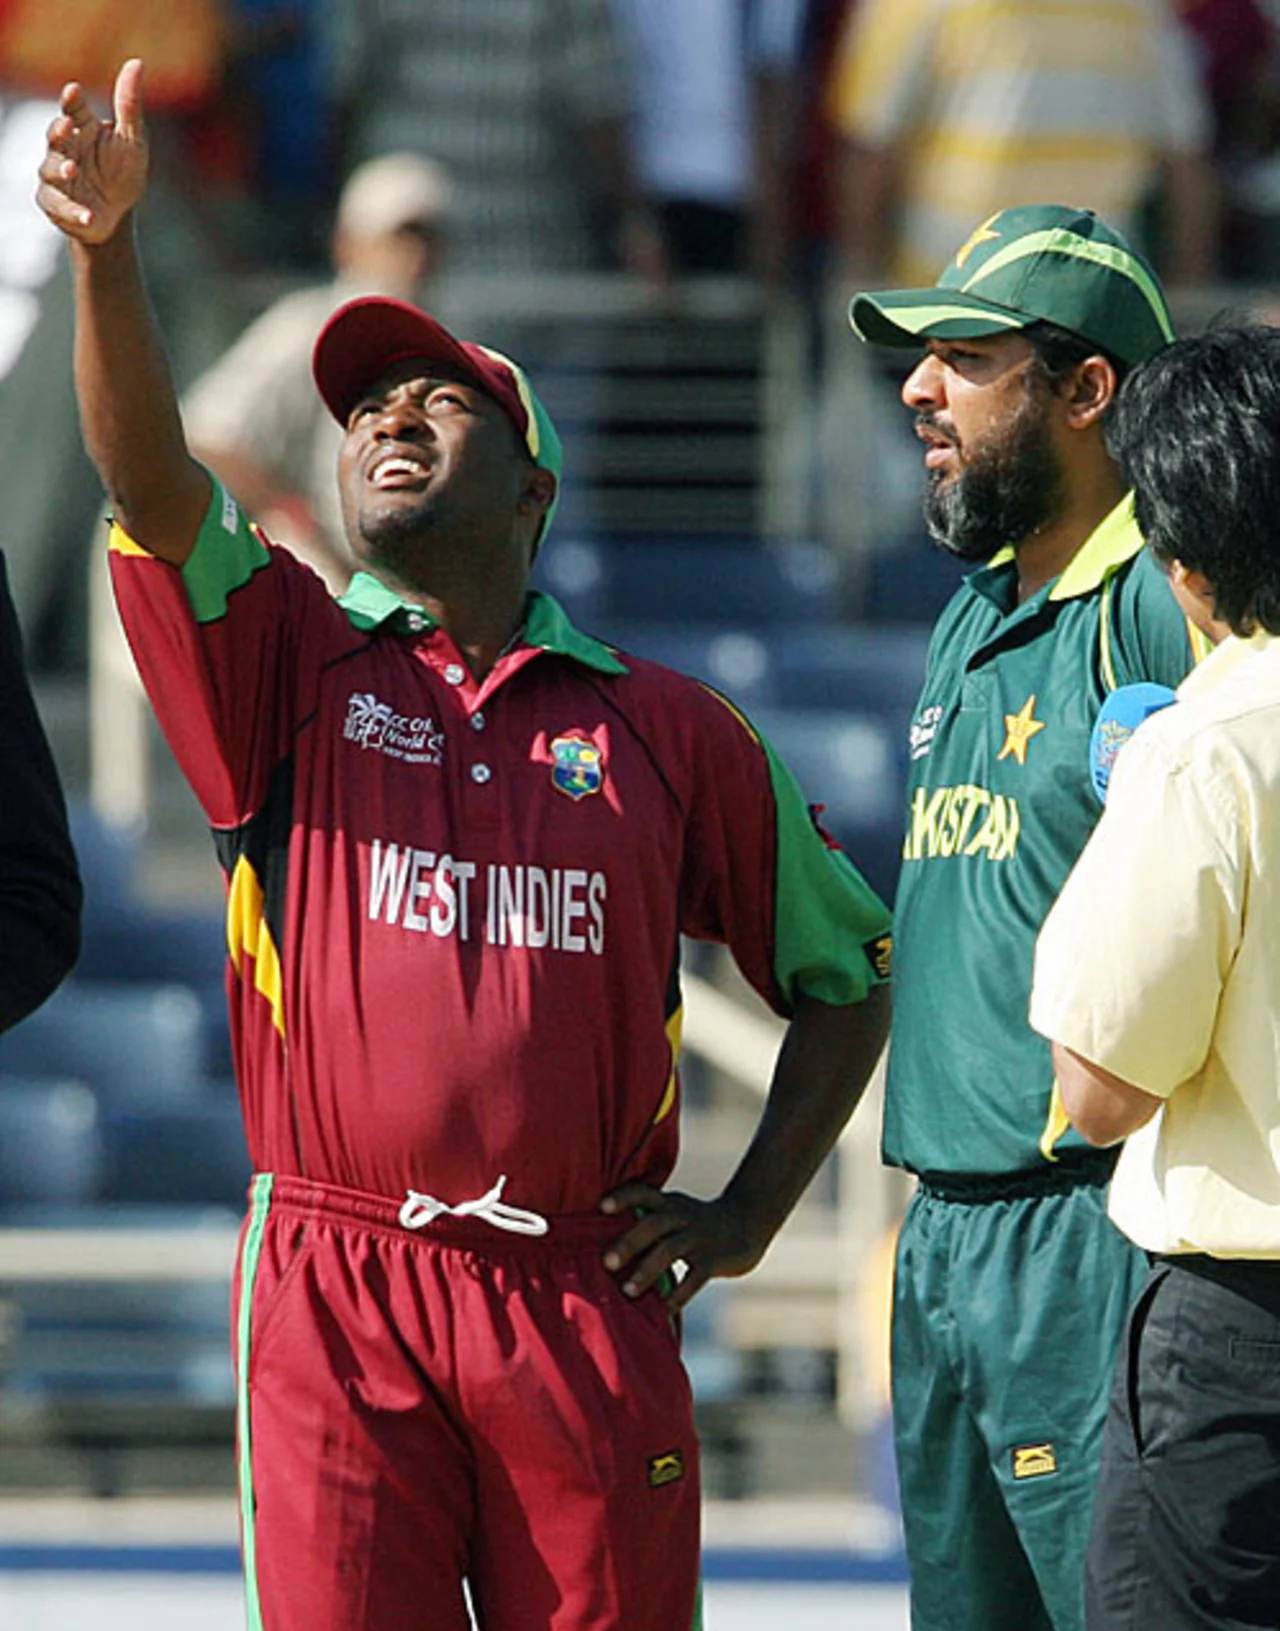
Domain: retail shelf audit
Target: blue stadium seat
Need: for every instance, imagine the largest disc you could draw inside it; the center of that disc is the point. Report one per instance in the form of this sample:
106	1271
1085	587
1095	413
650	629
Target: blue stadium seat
144	945
51	1150
108	859
877	670
176	1155
738	662
132	1044
911	584
154	946
854	767
603	585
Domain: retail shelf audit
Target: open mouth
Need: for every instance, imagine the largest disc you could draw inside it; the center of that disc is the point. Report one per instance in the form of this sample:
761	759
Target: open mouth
938	448
396	471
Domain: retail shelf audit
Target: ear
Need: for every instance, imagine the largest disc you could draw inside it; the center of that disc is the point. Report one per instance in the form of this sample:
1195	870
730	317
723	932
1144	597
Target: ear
1194	593
1089	392
1195	583
538	492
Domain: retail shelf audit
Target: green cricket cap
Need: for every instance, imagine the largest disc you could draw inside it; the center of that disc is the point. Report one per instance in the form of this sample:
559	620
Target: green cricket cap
1037	263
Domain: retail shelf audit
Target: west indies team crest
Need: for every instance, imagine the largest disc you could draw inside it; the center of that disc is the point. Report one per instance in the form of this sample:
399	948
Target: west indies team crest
577	767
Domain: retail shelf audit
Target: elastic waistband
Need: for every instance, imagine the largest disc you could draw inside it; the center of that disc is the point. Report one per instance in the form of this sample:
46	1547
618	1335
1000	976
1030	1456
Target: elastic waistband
306	1198
1084	1168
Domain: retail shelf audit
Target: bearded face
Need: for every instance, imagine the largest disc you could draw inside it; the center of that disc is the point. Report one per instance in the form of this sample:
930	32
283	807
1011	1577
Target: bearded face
1004	484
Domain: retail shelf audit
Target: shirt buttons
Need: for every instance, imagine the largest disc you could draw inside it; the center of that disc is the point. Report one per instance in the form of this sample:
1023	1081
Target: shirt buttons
416	622
478	722
455	673
480	774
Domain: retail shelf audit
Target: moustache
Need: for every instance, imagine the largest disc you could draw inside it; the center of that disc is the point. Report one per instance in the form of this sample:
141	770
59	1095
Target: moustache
931	423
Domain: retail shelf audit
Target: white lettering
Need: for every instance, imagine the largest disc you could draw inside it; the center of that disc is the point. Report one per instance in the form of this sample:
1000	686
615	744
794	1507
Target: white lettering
444	911
538	908
385	879
511	905
597	892
463	872
424	861
574	908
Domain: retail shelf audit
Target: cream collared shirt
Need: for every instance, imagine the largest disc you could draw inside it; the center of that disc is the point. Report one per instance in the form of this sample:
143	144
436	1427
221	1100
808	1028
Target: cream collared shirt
1160	960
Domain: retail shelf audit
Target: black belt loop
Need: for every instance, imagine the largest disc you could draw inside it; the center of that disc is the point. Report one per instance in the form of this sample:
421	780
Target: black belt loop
1081	1168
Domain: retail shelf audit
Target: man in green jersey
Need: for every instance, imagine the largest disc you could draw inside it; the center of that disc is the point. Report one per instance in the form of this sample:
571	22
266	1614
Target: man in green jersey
1012	1285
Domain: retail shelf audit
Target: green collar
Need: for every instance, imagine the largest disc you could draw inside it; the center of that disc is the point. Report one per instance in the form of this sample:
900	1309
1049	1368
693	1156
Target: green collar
369	603
1112	542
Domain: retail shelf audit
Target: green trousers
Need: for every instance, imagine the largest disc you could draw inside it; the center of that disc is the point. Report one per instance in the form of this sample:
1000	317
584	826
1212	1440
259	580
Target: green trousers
1010	1300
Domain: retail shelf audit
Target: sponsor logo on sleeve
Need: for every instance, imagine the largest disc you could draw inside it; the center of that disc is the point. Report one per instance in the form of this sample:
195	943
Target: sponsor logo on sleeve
879	954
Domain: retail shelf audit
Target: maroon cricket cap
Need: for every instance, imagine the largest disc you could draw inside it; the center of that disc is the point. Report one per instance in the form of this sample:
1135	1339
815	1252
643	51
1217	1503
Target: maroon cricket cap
366	338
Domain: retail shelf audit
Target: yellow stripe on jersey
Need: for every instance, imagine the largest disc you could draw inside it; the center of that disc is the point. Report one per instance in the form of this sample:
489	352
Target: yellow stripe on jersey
119	541
675	1030
1201	644
1057	1124
736	712
248	931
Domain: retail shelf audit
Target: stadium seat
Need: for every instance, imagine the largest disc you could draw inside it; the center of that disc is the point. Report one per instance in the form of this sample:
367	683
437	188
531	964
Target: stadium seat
911	584
132	1044
604	585
738	662
179	1155
146	946
108	859
50	1143
865	669
854	767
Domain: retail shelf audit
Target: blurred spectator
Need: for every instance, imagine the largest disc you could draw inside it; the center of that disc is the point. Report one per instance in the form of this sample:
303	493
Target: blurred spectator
526	104
255	417
181	41
952	110
715	123
276	104
1238	43
51	491
1235	42
817	143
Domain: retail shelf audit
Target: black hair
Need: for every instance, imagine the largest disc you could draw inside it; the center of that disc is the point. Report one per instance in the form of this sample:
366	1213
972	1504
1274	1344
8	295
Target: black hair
1060	351
1196	432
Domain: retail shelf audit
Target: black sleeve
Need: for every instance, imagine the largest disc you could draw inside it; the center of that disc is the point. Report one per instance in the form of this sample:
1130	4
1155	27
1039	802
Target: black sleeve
40	892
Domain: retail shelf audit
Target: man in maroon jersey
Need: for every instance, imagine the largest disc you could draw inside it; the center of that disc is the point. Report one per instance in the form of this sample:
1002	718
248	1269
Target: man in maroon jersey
462	842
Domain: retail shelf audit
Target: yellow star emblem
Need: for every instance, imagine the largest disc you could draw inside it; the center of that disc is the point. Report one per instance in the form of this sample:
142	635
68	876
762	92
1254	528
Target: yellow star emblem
1021	727
980	235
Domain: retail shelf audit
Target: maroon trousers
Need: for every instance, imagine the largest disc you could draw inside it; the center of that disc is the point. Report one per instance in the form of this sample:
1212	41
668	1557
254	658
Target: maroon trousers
420	1408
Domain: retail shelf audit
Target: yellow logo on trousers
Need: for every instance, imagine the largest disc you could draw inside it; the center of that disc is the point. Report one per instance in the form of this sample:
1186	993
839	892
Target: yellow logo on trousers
1034	1460
666	1469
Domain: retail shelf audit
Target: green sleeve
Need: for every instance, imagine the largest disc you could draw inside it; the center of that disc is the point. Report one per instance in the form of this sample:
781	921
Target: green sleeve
226	555
1150	636
832	931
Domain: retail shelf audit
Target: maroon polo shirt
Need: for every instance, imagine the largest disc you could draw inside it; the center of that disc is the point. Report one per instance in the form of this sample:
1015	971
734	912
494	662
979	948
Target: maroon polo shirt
455	906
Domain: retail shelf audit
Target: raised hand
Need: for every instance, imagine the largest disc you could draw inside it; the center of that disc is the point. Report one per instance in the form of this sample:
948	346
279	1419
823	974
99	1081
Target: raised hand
95	170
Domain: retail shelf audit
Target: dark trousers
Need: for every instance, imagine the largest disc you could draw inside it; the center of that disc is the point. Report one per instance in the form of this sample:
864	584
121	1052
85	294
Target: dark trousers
1186	1528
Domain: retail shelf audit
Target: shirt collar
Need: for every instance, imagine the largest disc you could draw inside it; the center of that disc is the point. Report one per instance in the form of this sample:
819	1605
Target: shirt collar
1225	659
1112	542
369	604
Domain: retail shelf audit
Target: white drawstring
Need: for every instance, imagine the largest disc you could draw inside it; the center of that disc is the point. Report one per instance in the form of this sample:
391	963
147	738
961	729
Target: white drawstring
419	1210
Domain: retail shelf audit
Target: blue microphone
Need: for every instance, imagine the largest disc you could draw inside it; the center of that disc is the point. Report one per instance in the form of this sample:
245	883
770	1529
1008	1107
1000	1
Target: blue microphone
1118	718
